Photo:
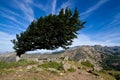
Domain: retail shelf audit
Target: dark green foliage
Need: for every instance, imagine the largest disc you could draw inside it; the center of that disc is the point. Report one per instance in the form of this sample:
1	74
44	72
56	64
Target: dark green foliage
49	32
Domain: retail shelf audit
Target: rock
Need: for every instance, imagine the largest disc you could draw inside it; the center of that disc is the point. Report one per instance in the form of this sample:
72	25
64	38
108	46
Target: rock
20	70
39	69
8	57
29	67
53	70
101	78
17	58
66	58
66	66
35	66
19	75
61	74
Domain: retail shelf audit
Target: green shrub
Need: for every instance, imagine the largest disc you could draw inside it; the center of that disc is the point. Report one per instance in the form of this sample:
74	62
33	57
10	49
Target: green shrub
115	74
35	78
62	58
55	65
93	72
69	59
2	65
88	64
103	71
5	71
71	70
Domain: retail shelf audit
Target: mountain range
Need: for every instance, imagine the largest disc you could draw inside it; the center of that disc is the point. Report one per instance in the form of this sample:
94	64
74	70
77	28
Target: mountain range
100	56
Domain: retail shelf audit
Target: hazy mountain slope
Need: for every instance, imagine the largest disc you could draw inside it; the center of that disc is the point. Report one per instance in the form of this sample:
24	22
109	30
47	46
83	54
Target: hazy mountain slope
98	55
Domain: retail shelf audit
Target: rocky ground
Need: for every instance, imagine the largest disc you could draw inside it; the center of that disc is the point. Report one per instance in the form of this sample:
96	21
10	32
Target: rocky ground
78	63
33	70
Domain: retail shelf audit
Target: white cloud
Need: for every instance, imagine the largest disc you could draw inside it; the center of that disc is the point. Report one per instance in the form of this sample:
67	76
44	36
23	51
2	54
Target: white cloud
5	43
40	6
12	27
86	40
68	3
81	40
26	8
110	29
54	6
49	7
11	12
11	18
115	22
93	8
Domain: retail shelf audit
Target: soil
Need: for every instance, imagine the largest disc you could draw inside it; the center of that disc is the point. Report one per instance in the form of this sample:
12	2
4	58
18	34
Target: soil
20	74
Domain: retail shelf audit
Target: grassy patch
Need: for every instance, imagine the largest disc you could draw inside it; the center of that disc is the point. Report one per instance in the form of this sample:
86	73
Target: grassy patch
88	64
54	65
71	70
103	74
35	78
115	74
106	76
4	65
4	71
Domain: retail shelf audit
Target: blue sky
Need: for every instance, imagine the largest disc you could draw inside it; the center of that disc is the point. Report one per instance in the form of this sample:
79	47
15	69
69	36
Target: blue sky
102	16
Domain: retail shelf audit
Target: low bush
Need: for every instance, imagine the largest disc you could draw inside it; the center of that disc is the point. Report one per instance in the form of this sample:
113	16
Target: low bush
71	70
88	64
115	74
54	65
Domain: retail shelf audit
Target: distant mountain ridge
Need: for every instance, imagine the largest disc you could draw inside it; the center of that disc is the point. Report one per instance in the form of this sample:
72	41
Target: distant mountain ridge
98	55
115	50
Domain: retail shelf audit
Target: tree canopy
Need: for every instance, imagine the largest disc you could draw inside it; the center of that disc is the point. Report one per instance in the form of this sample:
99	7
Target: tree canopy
49	32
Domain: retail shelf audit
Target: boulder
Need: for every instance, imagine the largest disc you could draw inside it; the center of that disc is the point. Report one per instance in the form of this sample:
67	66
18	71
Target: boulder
53	70
66	66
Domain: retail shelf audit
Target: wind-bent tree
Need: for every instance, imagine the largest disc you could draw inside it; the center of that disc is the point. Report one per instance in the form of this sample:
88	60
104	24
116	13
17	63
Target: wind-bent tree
49	32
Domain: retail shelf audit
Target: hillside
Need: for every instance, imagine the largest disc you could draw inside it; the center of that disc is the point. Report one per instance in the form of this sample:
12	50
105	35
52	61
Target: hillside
78	63
97	55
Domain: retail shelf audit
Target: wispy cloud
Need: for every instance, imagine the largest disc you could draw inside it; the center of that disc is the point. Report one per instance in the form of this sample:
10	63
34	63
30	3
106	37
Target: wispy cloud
81	40
5	42
10	12
40	6
86	40
12	27
68	3
26	9
12	18
110	29
93	8
115	22
54	6
48	7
